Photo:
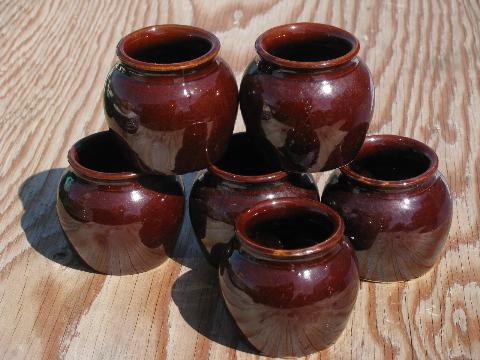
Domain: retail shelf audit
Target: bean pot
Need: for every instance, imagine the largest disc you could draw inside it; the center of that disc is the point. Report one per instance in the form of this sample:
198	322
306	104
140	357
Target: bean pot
171	98
396	206
239	180
307	98
290	279
118	220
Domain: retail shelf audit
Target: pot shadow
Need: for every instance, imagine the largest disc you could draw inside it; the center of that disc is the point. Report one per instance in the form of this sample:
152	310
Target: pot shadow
198	297
197	292
187	252
40	223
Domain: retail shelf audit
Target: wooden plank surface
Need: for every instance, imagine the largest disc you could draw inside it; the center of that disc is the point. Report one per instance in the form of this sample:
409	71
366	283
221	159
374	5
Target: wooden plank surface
54	56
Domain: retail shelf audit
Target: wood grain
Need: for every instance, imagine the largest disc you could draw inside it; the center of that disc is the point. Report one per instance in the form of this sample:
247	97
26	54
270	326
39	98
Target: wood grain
54	56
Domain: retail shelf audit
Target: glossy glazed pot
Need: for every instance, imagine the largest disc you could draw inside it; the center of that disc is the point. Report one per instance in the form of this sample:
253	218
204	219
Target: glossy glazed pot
307	97
118	220
396	206
239	180
171	98
290	279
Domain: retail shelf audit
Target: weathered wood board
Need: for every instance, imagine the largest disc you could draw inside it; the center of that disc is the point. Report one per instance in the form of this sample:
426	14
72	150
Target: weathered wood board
54	55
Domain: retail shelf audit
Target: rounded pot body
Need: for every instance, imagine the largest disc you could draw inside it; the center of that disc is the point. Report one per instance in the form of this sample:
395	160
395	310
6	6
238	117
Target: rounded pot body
307	97
289	302
171	98
219	196
119	223
216	202
397	227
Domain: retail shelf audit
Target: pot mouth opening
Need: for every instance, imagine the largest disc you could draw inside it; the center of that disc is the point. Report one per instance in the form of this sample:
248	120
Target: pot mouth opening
390	161
168	48
102	156
307	46
242	162
289	228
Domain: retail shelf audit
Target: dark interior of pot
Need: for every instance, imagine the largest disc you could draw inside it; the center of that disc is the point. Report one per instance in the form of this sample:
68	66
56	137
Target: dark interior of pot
391	163
104	152
310	48
243	158
167	49
295	229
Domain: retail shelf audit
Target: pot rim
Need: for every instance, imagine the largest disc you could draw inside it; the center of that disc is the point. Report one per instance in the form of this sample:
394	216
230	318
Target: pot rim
186	30
254	179
268	209
278	175
325	29
74	162
372	141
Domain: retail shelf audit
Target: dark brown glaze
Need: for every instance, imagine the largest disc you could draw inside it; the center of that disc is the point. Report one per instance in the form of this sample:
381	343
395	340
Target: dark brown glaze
291	279
119	221
308	98
239	180
396	206
171	98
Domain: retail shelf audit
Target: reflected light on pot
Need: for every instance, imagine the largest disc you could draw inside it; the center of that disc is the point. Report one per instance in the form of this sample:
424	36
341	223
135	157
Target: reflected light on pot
326	87
136	196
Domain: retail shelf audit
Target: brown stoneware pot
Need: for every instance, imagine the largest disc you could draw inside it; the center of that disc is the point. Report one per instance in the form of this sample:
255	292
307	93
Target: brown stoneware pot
238	181
118	220
171	98
307	97
396	206
290	278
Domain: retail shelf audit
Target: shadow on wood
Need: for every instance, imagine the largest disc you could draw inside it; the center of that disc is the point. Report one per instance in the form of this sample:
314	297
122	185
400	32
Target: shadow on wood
197	294
40	222
187	251
199	300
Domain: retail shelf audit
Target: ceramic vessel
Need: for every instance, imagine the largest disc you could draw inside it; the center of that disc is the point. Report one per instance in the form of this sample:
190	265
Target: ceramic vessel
171	98
290	279
118	220
396	206
238	181
308	97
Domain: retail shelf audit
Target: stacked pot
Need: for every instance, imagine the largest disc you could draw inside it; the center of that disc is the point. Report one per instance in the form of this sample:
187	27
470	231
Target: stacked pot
289	265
